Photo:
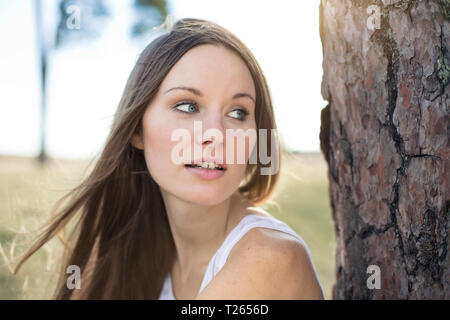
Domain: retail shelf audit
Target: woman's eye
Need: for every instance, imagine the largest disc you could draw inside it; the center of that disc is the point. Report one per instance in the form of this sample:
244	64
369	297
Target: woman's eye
239	114
190	107
187	107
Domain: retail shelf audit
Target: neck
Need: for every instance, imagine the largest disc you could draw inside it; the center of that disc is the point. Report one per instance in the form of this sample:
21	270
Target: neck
198	231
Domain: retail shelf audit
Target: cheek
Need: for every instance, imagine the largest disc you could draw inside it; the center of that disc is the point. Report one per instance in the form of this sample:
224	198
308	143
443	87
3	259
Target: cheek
157	148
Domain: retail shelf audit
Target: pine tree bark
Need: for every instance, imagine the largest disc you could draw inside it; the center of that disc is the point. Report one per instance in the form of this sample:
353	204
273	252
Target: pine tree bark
384	135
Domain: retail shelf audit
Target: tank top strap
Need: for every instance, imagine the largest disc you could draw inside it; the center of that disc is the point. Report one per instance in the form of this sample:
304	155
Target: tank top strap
247	223
221	255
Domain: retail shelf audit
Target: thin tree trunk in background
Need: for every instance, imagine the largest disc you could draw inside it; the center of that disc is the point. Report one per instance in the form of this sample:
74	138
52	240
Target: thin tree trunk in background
384	135
42	51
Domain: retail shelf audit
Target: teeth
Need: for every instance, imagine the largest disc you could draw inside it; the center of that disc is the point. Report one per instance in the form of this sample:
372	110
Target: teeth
207	165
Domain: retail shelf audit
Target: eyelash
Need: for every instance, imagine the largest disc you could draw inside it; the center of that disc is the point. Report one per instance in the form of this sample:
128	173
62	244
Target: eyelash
244	111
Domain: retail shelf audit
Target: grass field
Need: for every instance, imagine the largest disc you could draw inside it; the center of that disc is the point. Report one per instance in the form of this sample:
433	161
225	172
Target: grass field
28	191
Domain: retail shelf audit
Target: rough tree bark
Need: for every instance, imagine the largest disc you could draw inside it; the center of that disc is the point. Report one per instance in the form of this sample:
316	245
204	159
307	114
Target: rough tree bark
384	135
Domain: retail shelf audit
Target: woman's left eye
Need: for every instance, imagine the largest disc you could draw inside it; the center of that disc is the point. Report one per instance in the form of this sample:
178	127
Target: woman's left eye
243	114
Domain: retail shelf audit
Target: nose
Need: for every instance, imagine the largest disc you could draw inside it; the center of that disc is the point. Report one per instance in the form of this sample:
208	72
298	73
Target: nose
212	130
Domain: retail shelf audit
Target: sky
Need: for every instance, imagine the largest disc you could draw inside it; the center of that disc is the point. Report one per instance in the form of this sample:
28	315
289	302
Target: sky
86	80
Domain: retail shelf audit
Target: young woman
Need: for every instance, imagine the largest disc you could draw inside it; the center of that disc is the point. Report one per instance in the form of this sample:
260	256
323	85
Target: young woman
149	227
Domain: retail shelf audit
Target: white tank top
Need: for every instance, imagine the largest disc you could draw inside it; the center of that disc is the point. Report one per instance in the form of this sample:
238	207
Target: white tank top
220	257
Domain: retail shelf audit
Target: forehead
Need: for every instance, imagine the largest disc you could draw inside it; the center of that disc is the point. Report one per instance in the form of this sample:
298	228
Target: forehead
210	68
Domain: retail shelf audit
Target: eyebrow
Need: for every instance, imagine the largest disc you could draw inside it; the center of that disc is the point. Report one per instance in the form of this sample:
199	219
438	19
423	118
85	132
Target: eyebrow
198	93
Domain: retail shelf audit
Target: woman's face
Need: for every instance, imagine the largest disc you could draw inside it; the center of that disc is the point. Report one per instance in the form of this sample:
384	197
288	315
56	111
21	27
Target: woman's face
221	97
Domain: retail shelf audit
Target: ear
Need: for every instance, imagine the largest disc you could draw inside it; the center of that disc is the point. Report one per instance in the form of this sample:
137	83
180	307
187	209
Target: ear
137	140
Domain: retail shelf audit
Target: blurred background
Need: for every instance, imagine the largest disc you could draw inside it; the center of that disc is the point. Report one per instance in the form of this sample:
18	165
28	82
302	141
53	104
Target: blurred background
63	68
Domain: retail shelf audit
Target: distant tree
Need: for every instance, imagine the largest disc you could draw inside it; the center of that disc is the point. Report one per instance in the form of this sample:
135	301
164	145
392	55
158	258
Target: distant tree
149	13
82	20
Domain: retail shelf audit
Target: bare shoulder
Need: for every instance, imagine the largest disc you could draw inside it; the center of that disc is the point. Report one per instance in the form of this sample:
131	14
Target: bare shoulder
265	264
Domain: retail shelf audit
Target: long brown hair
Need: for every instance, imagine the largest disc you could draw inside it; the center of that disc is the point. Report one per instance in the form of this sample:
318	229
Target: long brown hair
122	240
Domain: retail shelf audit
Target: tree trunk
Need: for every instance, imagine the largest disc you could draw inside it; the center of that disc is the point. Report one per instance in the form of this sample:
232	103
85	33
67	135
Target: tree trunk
384	135
42	51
